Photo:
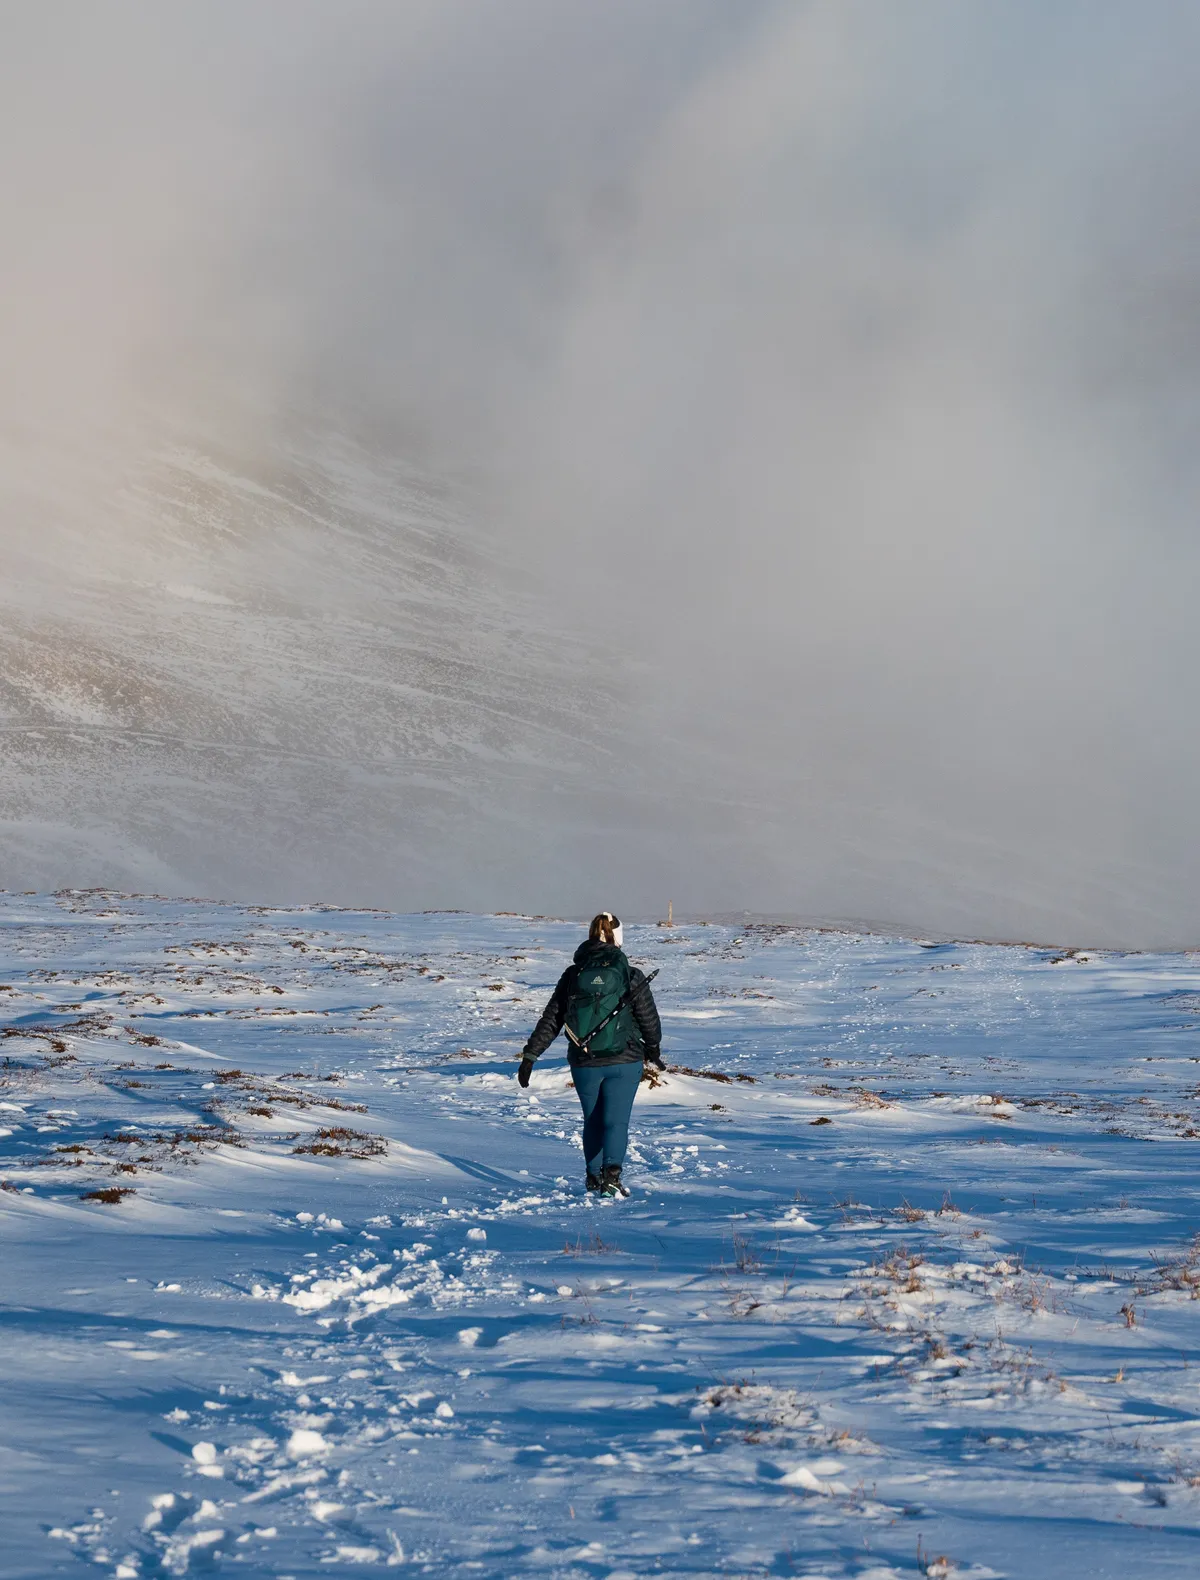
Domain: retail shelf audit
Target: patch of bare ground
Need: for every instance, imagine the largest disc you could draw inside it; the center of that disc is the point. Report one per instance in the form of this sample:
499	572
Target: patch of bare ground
708	1075
337	1141
1180	1272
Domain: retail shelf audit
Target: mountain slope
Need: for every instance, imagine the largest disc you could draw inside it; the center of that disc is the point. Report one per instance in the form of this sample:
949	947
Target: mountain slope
308	677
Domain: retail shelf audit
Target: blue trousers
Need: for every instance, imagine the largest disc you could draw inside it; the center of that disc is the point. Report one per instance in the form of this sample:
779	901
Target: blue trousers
606	1093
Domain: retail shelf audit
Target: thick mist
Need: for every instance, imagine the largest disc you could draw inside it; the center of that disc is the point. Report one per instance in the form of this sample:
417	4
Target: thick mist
789	406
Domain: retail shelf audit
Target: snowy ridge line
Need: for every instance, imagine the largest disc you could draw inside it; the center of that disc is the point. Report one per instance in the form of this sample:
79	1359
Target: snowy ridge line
911	1255
883	930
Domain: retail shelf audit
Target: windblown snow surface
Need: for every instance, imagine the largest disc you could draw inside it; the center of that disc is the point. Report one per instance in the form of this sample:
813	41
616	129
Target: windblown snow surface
905	1283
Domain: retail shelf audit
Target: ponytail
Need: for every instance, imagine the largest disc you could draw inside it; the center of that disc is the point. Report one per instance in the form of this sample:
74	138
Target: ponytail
605	929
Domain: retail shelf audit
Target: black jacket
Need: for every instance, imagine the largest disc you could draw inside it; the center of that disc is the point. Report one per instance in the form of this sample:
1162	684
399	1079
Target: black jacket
645	1039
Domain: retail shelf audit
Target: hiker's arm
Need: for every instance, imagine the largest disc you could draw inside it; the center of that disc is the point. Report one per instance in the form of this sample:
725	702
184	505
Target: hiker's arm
553	1019
645	1012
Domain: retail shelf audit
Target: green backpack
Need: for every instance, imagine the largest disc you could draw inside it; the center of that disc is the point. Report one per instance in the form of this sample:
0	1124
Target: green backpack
599	988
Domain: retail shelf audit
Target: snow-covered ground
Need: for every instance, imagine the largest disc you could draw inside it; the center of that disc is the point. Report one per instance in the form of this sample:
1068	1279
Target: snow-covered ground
904	1285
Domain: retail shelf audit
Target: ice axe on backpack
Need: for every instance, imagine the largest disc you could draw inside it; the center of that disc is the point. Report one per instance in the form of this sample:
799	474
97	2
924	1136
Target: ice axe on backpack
626	998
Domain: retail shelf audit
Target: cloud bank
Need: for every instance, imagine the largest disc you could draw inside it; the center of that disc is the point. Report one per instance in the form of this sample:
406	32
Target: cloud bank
827	371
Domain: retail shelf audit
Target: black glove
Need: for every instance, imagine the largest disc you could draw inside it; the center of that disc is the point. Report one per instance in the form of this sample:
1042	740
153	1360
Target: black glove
654	1057
524	1072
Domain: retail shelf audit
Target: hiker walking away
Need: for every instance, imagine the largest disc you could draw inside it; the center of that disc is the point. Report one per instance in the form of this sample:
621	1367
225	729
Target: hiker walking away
608	1012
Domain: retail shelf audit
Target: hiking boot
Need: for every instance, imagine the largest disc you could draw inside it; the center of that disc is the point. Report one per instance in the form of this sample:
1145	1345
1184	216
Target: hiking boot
593	1181
610	1181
